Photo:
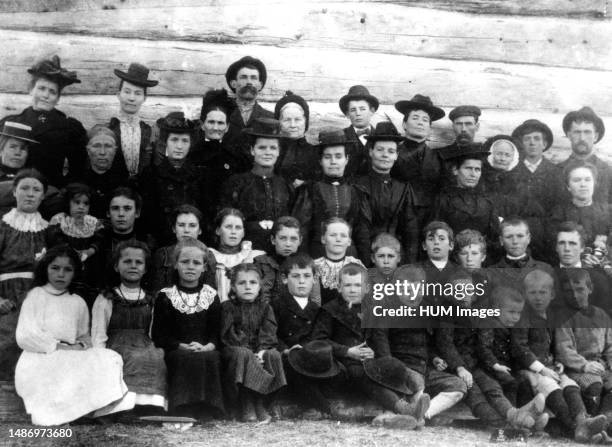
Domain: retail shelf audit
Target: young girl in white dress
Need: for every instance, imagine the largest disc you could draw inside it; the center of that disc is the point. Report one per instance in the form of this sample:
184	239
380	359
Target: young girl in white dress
59	376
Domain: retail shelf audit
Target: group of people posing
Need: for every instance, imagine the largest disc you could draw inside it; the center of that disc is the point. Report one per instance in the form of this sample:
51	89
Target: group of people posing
201	267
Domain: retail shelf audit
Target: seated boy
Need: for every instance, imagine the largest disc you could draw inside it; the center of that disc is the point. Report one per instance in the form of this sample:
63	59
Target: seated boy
386	256
532	346
584	343
438	243
339	323
457	341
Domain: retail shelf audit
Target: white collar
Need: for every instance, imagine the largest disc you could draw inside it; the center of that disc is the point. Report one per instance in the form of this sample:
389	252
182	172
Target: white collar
26	222
576	265
439	264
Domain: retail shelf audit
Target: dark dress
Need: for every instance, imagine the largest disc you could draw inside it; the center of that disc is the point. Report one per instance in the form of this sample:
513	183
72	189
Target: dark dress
392	207
333	197
193	377
246	329
144	370
595	218
145	151
164	272
235	138
297	160
102	185
60	138
259	198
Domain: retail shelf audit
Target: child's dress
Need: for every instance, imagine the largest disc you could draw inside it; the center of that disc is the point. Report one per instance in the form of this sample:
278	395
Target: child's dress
121	321
327	271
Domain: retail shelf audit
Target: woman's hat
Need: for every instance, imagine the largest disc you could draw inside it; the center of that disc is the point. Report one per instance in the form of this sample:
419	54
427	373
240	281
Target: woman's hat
232	70
534	126
137	74
511	140
471	151
335	137
585	114
18	130
175	122
314	359
384	131
217	98
51	69
388	372
263	127
288	98
355	93
420	102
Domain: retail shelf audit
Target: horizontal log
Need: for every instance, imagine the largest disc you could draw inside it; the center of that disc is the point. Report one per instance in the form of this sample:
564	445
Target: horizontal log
351	26
92	110
554	8
189	69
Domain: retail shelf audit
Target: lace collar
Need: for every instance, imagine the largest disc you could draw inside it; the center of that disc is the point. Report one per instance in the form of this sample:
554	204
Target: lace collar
328	270
26	222
190	303
70	228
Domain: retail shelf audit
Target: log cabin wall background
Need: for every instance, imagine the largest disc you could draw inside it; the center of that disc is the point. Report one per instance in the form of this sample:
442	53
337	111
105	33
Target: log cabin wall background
515	59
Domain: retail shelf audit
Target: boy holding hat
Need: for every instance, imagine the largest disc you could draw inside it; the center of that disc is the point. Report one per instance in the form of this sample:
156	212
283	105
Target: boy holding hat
133	134
391	201
359	106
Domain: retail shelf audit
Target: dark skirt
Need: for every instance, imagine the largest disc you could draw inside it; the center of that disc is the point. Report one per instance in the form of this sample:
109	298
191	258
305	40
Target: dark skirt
243	368
13	289
194	378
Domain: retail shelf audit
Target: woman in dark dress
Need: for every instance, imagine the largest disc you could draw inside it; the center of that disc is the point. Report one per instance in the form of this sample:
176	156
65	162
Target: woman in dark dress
60	137
186	325
260	194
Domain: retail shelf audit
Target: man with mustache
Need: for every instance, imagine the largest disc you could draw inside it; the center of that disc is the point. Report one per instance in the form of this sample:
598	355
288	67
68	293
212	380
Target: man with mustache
465	125
585	129
246	77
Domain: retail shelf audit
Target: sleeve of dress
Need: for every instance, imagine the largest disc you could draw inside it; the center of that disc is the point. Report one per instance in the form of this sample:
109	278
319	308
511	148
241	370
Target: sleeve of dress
409	227
213	323
77	152
100	317
302	211
98	236
268	279
83	334
230	192
162	328
362	227
30	334
267	330
228	332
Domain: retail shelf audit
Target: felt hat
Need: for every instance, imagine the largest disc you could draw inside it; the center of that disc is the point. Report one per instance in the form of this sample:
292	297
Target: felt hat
464	111
137	74
471	151
420	102
388	372
213	99
288	98
263	127
18	131
175	122
384	131
585	114
333	137
355	93
314	359
233	69
51	69
534	126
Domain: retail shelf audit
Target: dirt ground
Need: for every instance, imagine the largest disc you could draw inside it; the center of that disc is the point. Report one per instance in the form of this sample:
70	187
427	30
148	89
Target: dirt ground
298	433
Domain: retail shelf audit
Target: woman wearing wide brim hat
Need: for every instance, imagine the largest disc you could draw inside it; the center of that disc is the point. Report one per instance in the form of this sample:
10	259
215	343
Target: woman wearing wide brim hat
260	194
61	138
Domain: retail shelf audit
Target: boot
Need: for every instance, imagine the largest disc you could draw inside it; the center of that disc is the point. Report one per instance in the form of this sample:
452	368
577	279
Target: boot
518	419
261	411
417	408
589	427
535	408
247	407
592	398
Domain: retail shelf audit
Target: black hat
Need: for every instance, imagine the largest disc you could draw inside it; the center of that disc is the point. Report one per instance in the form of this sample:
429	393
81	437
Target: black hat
137	74
175	122
473	151
18	131
585	114
314	359
233	69
334	137
51	69
384	131
355	93
290	97
464	111
534	126
263	127
217	99
388	372
420	102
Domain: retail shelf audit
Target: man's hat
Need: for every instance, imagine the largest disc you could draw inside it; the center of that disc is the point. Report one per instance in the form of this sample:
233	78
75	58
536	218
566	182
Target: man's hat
137	74
534	126
585	114
18	131
291	97
473	151
355	93
464	111
314	359
51	69
263	127
233	69
388	372
334	137
175	122
384	131
420	102
217	98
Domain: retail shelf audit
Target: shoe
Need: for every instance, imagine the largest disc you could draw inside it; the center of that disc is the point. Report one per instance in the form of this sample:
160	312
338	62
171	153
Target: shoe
247	413
605	438
393	420
540	422
589	427
528	414
518	419
261	411
416	409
